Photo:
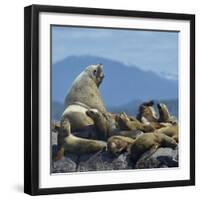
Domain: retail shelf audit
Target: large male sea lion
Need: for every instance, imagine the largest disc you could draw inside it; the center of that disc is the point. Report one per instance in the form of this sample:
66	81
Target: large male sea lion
85	88
84	94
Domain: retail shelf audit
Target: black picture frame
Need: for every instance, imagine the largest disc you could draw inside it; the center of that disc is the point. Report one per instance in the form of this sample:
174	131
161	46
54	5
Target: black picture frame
31	98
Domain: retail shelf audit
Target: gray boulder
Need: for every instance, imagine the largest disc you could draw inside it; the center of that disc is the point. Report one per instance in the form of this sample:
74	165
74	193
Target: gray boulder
104	161
163	157
63	165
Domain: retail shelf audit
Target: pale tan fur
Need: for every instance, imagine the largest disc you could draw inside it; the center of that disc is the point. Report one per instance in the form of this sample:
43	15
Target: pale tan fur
83	95
118	144
72	144
150	141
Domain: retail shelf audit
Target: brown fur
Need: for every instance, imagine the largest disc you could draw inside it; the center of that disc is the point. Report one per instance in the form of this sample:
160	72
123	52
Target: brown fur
119	144
147	111
125	123
164	115
150	141
103	122
106	125
171	131
72	144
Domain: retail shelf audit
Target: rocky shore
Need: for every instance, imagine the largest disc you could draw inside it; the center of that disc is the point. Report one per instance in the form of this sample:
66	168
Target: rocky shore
103	160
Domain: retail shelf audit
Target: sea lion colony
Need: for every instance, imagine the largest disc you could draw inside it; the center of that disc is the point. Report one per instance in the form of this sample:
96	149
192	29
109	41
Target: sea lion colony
115	133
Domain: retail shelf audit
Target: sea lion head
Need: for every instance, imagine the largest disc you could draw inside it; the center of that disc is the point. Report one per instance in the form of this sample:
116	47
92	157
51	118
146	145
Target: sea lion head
96	73
163	112
167	141
148	103
147	110
116	146
122	120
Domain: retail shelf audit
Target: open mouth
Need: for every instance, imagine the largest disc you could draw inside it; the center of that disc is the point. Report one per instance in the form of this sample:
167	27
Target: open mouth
159	106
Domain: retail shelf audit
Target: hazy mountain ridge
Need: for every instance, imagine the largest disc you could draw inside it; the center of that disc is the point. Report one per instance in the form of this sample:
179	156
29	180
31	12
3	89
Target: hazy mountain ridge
57	109
130	108
122	83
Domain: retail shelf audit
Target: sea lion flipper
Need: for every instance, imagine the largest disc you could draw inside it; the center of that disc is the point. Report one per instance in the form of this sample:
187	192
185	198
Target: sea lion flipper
59	155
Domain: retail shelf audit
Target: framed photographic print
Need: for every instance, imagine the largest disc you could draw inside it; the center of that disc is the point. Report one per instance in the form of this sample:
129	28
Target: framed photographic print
109	100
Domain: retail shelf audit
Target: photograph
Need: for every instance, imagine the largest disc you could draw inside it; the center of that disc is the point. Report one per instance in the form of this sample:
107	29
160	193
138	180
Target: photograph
114	99
109	99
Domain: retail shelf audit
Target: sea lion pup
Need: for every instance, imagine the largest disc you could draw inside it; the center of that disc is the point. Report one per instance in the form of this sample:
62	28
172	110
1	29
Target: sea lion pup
119	144
147	112
150	142
171	131
72	144
164	115
84	94
106	126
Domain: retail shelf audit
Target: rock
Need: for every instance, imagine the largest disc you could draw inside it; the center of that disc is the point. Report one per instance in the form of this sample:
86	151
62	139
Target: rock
63	165
54	136
54	151
170	158
71	156
163	157
102	161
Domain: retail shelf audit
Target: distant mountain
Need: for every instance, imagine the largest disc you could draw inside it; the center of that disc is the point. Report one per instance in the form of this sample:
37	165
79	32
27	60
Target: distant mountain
56	110
129	108
132	107
121	85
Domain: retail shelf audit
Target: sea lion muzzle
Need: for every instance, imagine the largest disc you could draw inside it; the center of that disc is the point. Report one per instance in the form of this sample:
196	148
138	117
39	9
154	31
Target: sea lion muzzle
99	74
159	106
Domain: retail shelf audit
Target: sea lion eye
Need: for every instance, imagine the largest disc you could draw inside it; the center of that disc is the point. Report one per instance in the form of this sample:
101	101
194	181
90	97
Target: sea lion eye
94	72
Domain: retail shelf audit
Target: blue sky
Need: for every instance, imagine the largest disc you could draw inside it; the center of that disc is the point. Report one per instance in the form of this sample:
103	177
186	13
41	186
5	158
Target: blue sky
148	50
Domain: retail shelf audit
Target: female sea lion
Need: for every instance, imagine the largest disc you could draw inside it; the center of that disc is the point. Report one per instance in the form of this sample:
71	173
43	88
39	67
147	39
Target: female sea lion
164	115
171	131
150	142
106	125
147	112
84	94
125	123
67	142
118	144
103	122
